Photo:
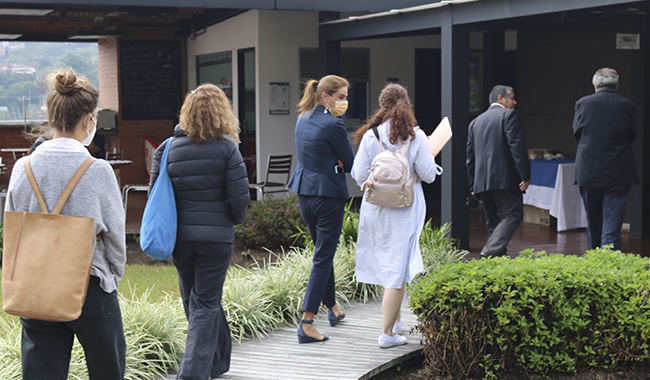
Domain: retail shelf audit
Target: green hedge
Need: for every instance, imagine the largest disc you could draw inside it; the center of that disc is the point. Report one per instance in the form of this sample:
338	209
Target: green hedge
540	313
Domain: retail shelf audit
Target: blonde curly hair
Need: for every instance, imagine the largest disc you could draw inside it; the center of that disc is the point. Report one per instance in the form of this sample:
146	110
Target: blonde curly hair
207	113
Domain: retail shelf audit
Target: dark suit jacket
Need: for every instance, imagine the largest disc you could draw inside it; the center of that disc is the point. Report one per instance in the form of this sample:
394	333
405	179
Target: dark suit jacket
321	141
497	158
604	127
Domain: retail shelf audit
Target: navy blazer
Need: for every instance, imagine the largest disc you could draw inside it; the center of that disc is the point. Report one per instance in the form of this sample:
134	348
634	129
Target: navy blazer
497	158
604	127
321	141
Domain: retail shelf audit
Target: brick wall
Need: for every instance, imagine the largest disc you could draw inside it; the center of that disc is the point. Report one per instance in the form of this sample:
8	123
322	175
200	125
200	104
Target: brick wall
131	133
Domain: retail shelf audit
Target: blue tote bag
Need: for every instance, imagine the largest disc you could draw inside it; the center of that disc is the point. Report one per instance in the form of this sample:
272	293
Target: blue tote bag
158	230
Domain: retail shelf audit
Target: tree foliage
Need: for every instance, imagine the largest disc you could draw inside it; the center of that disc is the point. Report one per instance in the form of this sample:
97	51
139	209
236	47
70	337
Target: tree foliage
45	57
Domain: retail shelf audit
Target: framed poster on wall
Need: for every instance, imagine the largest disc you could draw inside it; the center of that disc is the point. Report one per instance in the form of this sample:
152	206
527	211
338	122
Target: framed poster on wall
279	101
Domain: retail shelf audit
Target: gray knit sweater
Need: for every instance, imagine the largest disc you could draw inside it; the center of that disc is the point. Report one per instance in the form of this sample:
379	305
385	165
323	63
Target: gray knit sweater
97	196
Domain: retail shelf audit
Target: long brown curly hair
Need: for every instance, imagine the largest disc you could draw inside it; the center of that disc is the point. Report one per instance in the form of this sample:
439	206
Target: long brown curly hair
394	104
207	113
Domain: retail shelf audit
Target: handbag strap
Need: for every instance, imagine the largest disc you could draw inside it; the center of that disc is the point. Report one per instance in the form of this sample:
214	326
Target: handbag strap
165	157
66	192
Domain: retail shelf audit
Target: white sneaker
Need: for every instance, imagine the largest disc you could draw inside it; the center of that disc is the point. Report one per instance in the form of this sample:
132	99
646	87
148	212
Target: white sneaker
397	327
386	341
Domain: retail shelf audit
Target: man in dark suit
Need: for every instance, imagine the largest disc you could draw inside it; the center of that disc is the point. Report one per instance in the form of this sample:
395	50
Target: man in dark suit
498	168
604	127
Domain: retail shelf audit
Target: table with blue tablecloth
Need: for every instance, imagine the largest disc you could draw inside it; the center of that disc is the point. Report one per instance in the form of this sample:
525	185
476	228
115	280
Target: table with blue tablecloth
552	188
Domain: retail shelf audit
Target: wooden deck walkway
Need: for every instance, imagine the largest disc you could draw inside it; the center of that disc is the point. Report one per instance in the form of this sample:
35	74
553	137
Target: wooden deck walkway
350	353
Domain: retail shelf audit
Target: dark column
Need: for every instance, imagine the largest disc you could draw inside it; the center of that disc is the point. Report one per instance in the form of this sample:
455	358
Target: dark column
493	62
639	205
329	52
455	105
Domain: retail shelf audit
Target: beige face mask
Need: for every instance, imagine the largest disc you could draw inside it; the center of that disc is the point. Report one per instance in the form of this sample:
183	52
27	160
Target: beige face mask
340	106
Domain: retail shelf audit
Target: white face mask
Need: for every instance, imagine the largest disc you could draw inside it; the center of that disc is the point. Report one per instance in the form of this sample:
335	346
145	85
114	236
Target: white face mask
91	135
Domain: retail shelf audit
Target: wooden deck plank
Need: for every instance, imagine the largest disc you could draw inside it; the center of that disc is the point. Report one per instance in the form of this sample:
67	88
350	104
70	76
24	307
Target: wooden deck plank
350	353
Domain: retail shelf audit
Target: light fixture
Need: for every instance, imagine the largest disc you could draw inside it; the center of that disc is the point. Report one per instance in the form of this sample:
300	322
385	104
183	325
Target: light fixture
24	12
96	34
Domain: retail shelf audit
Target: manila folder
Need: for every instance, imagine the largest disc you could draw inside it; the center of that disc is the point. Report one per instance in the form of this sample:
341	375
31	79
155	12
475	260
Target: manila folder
440	136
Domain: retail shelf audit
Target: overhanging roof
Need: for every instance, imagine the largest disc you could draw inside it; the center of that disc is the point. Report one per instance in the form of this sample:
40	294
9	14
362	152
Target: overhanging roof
88	19
428	18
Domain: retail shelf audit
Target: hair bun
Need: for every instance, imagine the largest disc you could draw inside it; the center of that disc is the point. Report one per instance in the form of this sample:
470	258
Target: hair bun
67	81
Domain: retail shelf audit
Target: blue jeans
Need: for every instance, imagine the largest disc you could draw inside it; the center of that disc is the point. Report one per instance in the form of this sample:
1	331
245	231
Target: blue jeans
46	346
605	208
202	269
324	219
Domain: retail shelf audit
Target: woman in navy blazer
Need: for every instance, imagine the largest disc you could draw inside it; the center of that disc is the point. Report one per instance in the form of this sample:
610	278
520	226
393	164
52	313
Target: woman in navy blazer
324	155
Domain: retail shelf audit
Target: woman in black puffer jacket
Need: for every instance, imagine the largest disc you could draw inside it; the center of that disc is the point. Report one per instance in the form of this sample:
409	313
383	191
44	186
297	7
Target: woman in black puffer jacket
211	189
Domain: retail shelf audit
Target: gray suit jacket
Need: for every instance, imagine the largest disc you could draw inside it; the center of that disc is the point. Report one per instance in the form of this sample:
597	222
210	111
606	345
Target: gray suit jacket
497	158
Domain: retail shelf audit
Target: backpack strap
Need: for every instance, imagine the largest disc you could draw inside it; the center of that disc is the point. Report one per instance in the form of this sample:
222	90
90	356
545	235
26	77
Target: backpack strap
66	193
381	143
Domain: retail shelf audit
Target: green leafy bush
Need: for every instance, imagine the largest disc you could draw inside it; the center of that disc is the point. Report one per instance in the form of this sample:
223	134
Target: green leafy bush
271	223
349	229
540	313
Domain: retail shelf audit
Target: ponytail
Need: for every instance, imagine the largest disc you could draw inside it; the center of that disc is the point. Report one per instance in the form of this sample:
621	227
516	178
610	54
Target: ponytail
308	100
313	90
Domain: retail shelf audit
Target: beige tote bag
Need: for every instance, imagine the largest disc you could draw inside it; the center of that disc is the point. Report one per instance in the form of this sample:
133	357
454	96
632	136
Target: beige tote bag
47	258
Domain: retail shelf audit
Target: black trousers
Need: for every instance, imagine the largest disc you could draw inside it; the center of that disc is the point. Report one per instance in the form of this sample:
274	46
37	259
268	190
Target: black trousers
605	207
504	212
202	269
324	219
46	346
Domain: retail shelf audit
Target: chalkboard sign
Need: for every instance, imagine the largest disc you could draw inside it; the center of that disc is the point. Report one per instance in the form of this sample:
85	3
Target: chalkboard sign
151	79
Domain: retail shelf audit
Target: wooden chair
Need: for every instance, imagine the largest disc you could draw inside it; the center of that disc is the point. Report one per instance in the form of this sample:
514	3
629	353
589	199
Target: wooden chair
278	173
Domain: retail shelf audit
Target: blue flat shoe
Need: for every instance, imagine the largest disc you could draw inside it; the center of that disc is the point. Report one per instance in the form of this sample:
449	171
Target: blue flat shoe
333	318
304	338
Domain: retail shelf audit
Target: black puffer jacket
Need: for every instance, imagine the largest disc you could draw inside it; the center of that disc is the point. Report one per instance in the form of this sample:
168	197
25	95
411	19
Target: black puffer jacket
210	184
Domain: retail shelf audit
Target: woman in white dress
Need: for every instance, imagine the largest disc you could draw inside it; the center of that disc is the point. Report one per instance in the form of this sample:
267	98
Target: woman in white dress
388	250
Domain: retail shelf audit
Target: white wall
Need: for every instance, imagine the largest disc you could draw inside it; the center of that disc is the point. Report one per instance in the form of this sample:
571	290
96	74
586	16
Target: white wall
239	32
281	35
277	37
393	58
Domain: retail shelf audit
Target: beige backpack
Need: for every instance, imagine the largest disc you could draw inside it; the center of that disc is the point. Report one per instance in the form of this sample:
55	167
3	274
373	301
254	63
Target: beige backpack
390	174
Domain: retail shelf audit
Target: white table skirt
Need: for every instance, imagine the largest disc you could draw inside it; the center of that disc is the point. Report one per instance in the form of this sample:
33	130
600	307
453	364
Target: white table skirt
563	201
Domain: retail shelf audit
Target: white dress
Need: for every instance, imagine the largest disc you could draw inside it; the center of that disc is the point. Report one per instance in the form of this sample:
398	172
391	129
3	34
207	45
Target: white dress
388	249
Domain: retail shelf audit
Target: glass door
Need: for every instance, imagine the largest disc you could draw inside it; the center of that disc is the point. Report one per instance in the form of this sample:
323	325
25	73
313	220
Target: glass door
246	88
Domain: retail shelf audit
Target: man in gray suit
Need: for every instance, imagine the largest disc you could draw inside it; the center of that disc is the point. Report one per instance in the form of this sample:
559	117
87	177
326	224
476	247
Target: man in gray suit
498	168
604	127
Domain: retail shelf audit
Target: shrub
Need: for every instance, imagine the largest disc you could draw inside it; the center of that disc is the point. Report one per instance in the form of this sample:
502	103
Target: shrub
438	248
271	223
538	312
349	229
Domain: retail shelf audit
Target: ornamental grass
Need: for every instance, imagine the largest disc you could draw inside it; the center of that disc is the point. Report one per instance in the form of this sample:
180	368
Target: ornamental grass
257	300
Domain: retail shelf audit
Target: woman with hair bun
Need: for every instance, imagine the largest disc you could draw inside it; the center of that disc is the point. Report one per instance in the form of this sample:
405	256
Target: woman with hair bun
46	346
211	190
388	250
324	155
